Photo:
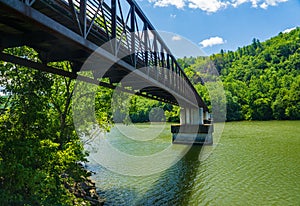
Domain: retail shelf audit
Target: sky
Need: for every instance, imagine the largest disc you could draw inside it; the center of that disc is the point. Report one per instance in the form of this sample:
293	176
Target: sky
222	24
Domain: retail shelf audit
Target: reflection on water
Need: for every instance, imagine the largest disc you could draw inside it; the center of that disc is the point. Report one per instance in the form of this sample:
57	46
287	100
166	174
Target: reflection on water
175	183
255	163
173	186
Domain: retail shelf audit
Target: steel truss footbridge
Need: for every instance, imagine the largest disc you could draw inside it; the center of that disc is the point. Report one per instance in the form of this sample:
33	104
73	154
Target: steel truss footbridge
70	30
117	31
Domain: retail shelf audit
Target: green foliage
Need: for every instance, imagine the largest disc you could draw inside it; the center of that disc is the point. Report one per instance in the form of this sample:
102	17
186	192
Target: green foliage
126	108
38	144
262	79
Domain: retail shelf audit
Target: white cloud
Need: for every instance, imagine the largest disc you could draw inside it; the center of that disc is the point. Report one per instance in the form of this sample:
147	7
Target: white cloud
274	2
254	3
236	3
173	16
179	4
264	5
288	30
176	38
271	3
212	41
212	6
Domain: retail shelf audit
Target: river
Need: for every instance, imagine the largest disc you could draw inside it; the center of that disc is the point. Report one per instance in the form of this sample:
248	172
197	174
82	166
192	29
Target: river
253	163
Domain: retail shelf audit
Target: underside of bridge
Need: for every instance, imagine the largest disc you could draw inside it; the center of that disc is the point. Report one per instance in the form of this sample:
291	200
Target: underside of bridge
117	33
48	27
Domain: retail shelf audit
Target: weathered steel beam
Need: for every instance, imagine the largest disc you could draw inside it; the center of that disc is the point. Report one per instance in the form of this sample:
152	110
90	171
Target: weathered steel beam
42	67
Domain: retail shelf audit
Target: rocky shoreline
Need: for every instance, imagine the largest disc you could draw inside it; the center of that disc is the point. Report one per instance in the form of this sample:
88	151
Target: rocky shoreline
86	190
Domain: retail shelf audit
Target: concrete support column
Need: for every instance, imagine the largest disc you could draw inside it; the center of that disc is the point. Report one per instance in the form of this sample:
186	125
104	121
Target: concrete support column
188	115
195	116
182	116
206	115
200	115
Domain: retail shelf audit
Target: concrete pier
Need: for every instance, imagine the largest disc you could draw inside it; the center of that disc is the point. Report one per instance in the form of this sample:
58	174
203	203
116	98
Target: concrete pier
195	127
192	134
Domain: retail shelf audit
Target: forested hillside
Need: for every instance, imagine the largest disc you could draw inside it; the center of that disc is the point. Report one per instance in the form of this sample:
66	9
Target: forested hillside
261	80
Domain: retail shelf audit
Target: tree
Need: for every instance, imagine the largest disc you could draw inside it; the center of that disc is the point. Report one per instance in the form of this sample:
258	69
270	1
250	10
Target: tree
39	148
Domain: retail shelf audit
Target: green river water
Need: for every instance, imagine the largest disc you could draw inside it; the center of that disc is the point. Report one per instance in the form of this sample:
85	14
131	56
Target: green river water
253	163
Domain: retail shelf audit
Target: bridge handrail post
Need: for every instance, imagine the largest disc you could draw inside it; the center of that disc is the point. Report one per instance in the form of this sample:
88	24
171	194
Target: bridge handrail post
82	16
133	30
168	67
114	25
146	42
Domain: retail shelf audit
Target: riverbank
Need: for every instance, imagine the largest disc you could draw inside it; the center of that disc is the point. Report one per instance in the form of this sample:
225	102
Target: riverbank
86	189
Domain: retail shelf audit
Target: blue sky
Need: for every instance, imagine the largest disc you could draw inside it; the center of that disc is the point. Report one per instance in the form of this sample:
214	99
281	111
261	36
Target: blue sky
222	24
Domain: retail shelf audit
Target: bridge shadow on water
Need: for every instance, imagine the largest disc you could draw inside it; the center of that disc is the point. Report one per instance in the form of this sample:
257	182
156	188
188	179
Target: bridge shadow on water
175	185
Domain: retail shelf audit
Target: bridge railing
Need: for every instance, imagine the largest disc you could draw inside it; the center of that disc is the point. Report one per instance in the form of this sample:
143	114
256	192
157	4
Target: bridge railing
103	20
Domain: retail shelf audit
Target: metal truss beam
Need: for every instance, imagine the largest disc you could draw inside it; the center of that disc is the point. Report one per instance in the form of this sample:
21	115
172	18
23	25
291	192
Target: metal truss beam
52	70
82	26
